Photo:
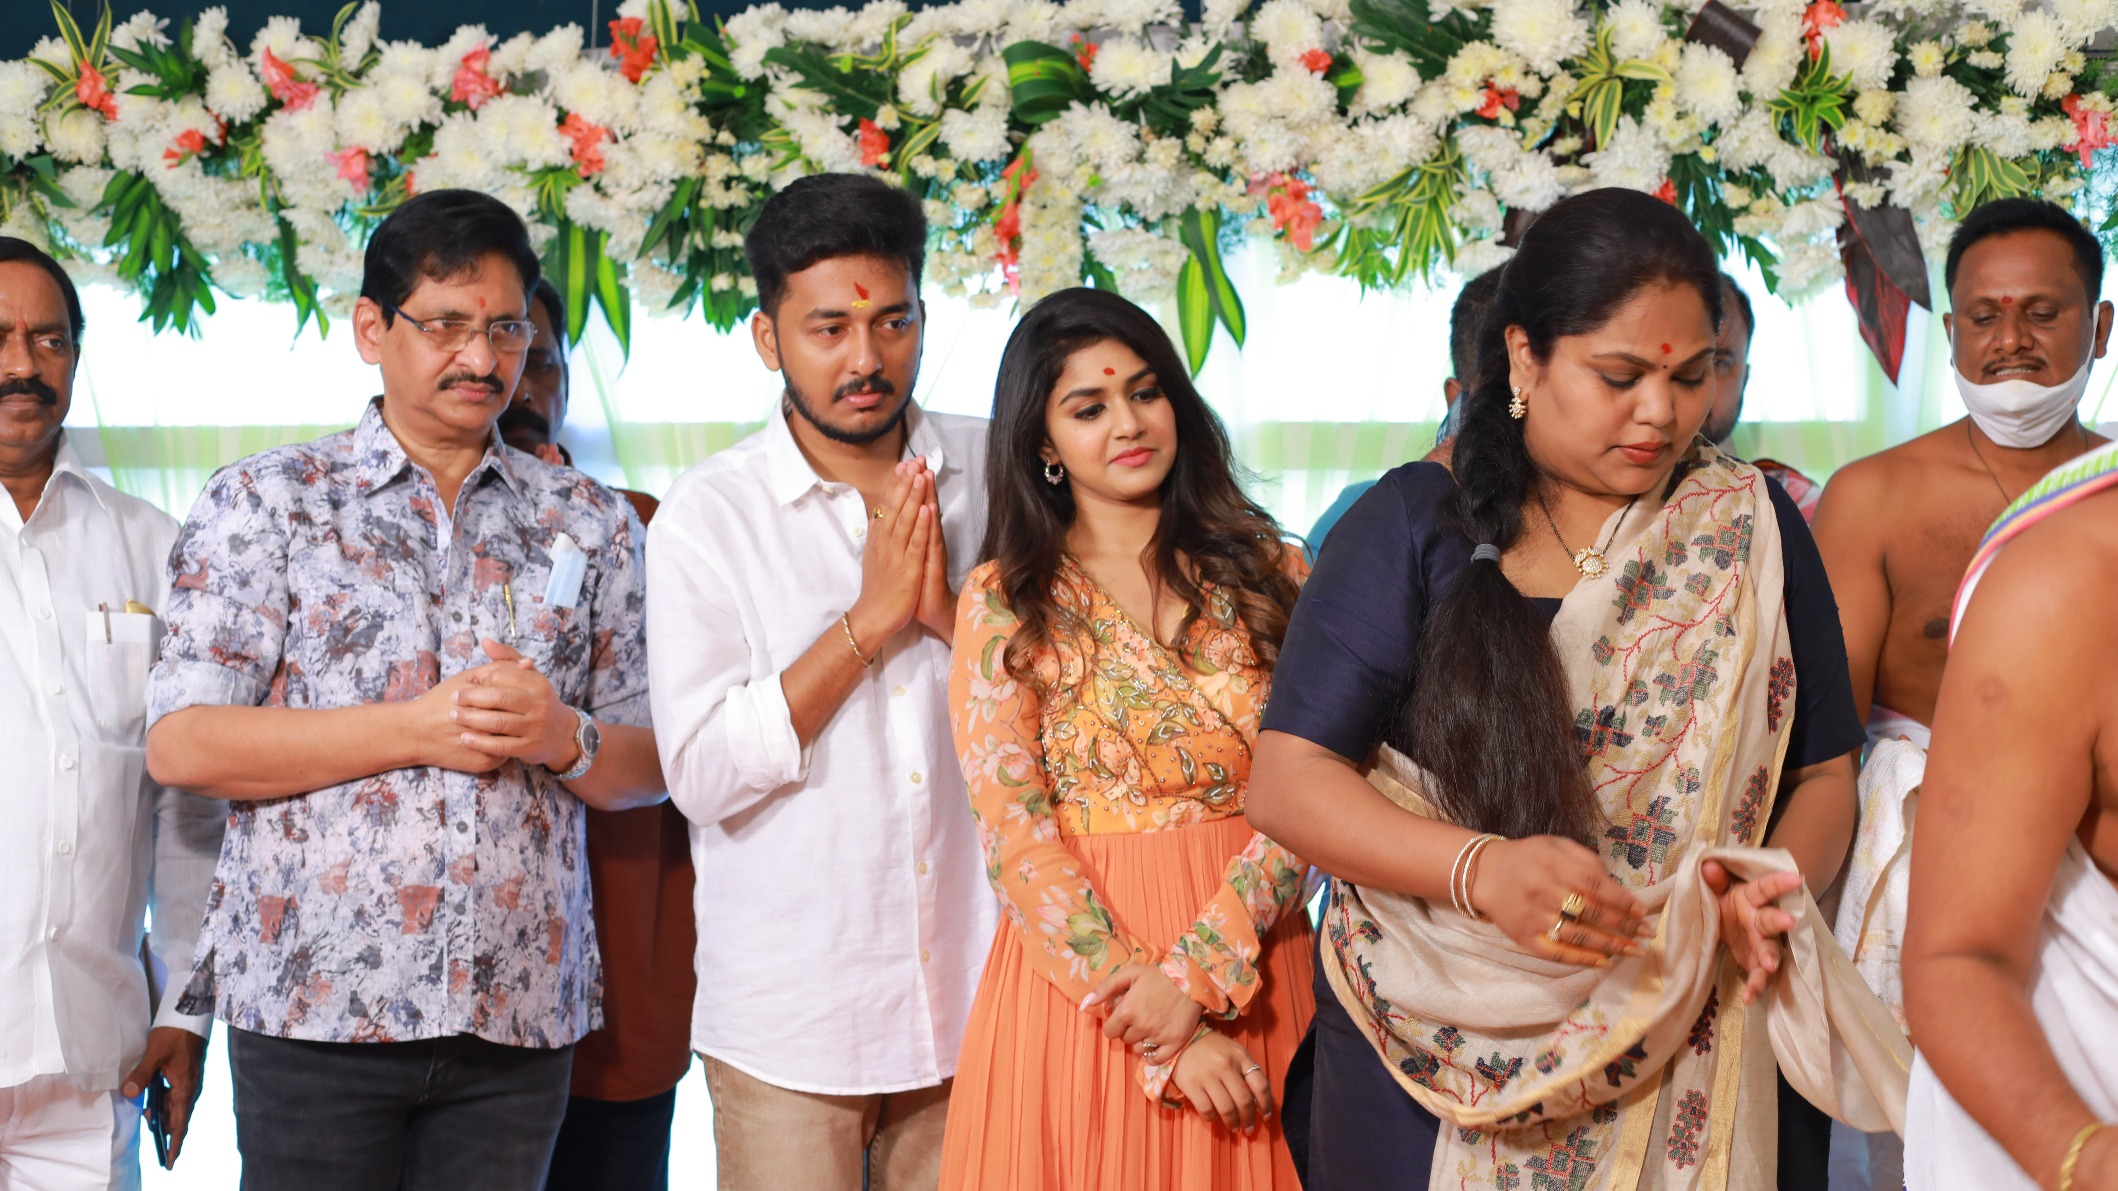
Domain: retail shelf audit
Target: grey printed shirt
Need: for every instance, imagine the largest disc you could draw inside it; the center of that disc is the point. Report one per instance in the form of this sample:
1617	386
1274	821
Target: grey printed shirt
419	902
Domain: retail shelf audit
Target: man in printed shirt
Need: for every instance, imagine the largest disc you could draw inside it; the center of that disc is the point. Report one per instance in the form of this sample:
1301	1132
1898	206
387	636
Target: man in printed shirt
89	842
802	587
407	654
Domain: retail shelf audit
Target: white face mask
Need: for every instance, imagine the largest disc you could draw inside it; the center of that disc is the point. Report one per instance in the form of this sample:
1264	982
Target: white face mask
2020	413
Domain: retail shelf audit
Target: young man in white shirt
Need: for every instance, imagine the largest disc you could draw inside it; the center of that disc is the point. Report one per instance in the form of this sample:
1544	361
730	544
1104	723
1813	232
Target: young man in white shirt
90	842
801	602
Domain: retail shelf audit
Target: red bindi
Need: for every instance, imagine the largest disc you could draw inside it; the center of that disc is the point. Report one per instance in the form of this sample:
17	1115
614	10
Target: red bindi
2005	300
1665	349
481	303
1110	372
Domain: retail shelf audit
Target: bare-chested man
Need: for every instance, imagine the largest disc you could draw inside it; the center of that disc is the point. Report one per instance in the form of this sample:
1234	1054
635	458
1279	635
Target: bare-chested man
1897	529
2011	964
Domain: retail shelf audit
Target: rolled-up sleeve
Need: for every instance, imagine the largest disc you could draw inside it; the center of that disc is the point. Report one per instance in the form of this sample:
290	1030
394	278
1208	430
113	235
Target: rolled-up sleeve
227	616
726	737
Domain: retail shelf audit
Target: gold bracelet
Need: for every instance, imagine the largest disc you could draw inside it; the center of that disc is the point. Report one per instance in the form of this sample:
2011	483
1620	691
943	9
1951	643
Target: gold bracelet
845	621
2074	1148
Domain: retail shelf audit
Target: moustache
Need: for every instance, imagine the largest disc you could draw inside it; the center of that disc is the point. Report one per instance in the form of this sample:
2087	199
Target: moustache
470	380
30	386
877	384
518	417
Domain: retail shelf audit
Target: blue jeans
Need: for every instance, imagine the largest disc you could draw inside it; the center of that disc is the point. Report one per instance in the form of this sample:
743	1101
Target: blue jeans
443	1114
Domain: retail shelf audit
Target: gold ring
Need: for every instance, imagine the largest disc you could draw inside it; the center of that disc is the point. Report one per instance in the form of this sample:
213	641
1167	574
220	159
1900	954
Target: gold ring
1572	907
878	512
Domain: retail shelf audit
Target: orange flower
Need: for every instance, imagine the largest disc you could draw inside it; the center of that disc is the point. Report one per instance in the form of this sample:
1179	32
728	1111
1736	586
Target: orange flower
187	143
1317	61
2092	129
1293	212
290	91
1085	52
634	50
472	86
586	137
874	143
352	166
1497	98
1007	226
1667	192
94	93
1822	15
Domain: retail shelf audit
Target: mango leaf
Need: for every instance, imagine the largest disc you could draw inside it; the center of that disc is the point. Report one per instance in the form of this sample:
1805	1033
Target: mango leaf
1194	313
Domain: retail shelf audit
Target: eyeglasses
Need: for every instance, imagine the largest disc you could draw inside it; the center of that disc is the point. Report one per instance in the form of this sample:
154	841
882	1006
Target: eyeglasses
507	336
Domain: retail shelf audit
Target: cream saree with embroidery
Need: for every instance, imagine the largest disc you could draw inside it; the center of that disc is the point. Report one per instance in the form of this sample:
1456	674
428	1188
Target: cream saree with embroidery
1650	1073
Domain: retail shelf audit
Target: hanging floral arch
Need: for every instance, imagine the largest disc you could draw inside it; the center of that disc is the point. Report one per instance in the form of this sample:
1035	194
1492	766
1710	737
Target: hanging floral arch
1096	141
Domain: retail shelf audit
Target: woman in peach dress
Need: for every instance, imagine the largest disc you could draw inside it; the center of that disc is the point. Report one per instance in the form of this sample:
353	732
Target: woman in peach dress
1150	978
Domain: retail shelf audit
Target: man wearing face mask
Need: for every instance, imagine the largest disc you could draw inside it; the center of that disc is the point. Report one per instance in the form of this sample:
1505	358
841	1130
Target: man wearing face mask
1897	529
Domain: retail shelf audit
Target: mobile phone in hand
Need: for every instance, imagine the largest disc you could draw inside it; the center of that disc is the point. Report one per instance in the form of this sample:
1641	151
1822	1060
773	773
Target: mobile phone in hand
158	1118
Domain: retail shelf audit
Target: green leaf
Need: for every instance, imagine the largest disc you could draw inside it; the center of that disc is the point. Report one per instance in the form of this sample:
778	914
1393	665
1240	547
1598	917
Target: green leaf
579	275
672	212
1194	313
860	94
615	299
1201	233
1044	80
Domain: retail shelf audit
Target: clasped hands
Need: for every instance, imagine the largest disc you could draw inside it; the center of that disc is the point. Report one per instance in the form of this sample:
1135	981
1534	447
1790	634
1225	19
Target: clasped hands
904	569
1522	884
483	717
1145	1009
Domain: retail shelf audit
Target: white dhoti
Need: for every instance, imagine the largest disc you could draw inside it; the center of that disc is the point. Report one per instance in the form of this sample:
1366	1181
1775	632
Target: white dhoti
2074	993
1871	914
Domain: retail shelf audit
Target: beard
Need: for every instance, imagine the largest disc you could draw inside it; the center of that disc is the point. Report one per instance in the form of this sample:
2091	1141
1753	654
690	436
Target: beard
875	383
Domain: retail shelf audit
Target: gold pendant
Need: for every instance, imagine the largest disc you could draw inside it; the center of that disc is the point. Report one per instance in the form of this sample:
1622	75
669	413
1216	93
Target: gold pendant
1589	561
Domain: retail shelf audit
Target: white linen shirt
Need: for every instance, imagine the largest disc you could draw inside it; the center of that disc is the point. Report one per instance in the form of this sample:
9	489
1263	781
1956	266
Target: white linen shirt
843	914
89	841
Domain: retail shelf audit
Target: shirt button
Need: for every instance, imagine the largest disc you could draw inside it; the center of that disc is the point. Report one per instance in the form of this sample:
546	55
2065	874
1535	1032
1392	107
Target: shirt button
66	848
898	691
916	779
461	826
44	612
923	956
56	689
53	933
66	761
920	868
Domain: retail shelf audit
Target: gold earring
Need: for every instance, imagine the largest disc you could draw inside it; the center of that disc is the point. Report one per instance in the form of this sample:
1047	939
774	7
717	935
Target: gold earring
1517	407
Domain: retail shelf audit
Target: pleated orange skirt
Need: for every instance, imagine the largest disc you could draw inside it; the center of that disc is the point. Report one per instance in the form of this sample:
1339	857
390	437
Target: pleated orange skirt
1044	1102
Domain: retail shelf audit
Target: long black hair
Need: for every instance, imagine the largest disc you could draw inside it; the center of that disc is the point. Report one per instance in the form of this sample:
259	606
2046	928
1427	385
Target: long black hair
1488	714
1209	531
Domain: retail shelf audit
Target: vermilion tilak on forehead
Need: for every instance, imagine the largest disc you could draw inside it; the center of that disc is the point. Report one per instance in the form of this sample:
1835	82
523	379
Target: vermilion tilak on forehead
1110	372
1665	349
2007	299
862	301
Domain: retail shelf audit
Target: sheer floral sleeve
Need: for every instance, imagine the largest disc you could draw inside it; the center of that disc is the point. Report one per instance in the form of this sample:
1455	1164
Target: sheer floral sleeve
1068	933
1215	962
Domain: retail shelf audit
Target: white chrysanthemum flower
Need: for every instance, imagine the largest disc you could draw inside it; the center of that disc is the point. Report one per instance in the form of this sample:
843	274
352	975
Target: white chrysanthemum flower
1706	84
1926	58
1937	114
359	34
752	33
406	100
511	57
1544	32
408	60
1289	28
820	25
666	108
1866	50
1387	81
1476	258
283	36
363	123
1875	106
868	26
1125	68
75	136
2034	52
558	48
1775	58
209	33
975	136
142	27
1132	17
1636	28
2081	19
599	95
523	130
20	135
1105	142
1218	17
22	89
465	39
52	50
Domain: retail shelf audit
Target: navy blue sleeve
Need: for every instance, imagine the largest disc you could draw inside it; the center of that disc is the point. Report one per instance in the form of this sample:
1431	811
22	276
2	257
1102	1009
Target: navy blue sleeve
1322	529
1352	643
1825	723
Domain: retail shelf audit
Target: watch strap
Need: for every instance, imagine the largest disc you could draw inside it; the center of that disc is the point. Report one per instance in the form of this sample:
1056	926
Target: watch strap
586	759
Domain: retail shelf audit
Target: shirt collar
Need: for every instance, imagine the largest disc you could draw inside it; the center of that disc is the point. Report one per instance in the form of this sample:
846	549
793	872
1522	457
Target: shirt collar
788	470
67	462
379	458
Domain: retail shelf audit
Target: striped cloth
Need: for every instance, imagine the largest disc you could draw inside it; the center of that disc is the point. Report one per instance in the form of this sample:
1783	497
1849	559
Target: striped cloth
2066	485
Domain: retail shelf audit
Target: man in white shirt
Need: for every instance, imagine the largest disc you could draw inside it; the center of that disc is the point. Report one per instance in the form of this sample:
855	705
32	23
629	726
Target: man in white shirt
89	841
801	602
